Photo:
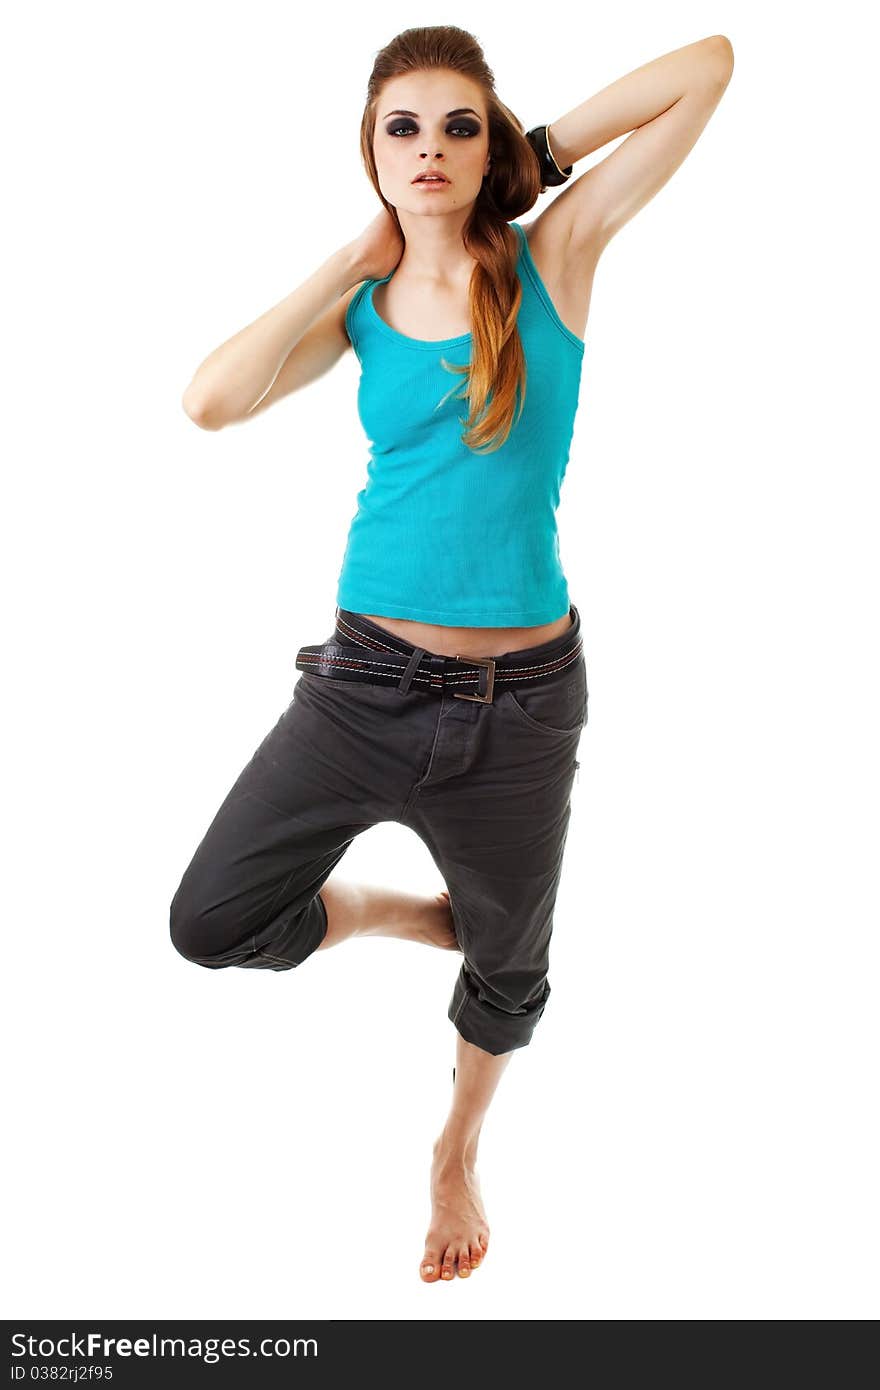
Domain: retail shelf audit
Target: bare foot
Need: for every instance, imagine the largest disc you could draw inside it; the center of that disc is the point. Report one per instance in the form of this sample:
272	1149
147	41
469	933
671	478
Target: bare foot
458	1236
445	936
429	921
355	909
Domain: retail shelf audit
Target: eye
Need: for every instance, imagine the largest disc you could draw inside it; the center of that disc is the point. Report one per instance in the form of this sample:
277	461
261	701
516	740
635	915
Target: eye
407	128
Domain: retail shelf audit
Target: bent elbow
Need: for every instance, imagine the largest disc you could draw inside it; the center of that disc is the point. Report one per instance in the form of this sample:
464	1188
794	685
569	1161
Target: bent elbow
723	50
200	412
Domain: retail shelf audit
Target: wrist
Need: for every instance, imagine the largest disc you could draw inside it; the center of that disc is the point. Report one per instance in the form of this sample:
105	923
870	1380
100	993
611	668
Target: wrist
552	173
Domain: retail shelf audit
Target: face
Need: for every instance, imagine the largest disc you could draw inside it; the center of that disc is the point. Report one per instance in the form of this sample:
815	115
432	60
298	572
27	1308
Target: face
415	132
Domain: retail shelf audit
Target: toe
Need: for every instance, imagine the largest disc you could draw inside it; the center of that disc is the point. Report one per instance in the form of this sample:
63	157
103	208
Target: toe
447	1269
464	1262
476	1254
430	1270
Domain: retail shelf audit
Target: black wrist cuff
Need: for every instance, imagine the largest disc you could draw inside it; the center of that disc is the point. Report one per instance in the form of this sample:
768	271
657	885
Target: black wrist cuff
551	174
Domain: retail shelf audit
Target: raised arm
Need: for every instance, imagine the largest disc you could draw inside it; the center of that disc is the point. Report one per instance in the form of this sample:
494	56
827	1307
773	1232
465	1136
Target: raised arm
284	349
666	104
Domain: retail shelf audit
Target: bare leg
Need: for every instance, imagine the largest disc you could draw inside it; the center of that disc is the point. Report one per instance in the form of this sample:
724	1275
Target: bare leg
355	909
458	1236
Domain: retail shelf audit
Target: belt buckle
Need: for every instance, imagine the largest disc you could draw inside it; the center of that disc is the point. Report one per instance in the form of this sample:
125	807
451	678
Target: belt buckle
489	663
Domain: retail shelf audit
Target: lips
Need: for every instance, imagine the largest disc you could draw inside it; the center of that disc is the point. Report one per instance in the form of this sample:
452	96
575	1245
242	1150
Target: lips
433	177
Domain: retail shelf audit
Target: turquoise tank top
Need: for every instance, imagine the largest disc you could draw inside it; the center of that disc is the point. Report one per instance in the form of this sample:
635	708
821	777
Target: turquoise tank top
442	534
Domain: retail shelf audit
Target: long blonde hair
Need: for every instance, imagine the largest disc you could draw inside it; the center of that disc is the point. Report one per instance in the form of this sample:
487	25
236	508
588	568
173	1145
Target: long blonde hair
497	371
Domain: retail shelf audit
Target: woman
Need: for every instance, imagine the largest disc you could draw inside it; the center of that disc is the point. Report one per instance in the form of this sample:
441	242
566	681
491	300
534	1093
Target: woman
452	693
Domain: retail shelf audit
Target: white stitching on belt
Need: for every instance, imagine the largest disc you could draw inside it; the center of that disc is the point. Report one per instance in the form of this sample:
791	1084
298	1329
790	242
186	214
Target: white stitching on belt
514	673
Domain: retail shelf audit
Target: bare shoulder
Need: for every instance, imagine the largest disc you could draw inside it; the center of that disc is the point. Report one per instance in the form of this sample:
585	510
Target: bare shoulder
567	268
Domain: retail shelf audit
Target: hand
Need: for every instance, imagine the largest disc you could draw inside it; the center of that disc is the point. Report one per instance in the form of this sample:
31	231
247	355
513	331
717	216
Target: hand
378	248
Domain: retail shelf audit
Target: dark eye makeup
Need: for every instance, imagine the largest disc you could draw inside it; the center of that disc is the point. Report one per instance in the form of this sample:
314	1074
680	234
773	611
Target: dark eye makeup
400	128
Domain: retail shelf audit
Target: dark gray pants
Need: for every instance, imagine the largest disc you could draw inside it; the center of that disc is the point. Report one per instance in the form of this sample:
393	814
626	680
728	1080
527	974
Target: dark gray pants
486	787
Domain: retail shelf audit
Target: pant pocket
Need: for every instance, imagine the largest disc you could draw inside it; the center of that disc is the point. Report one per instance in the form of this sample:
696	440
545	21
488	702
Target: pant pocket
552	706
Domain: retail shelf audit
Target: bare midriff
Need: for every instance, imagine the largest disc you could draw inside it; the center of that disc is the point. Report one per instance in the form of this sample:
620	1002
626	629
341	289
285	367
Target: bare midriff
471	641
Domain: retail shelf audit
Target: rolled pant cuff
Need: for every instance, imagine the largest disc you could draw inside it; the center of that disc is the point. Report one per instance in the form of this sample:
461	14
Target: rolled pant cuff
490	1028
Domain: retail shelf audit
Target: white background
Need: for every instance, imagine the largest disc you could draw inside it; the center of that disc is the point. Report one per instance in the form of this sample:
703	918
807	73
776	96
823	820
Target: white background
692	1133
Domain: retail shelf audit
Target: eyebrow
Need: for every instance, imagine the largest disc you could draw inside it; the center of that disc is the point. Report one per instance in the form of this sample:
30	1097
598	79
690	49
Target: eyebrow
462	111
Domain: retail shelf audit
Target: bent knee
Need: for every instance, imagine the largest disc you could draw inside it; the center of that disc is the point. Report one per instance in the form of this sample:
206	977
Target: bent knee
218	937
183	939
192	935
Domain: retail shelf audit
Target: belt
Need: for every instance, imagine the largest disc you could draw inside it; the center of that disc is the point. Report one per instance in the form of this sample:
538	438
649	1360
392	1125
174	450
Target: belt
465	677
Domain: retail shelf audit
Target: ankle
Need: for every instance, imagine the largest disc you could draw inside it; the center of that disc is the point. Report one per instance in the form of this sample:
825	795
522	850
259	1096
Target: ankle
455	1149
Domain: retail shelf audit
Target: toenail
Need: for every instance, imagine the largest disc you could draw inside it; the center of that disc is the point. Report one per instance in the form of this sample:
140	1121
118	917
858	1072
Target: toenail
429	1269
